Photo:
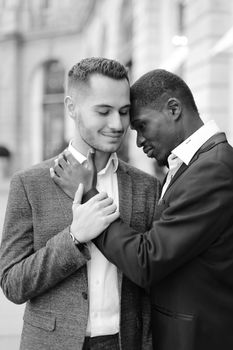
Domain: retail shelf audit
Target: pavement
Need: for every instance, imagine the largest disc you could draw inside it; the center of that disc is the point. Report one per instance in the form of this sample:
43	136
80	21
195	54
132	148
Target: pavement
11	315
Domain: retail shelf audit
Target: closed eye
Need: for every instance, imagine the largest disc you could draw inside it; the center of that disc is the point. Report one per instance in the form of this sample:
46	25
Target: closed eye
124	112
103	113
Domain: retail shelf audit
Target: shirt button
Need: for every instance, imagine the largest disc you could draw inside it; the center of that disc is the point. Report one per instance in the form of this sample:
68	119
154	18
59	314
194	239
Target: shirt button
84	294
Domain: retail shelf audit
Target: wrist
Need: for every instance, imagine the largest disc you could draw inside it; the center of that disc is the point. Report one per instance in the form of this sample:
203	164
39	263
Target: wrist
78	244
74	239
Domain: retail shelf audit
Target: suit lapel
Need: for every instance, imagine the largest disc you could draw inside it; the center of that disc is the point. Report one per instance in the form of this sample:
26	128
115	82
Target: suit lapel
181	169
125	193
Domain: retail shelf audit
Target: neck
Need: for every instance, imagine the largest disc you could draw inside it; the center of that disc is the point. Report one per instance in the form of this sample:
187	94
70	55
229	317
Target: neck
101	158
193	124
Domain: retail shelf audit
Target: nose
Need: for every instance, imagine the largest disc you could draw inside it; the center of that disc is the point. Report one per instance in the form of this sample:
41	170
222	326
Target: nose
140	139
115	122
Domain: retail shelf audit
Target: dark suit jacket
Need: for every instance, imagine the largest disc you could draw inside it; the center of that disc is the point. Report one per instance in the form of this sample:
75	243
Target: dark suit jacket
186	259
40	265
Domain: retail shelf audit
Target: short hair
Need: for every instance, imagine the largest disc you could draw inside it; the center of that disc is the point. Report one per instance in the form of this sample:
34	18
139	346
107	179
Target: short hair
81	71
148	89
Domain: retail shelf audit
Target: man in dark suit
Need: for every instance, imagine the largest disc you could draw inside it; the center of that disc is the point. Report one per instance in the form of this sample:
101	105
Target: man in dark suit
75	298
186	258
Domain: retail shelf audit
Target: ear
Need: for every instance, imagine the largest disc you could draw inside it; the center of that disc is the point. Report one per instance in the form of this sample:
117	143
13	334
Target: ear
174	107
70	106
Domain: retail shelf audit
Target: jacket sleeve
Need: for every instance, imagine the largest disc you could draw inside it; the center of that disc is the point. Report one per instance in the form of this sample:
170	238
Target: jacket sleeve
24	272
146	322
198	212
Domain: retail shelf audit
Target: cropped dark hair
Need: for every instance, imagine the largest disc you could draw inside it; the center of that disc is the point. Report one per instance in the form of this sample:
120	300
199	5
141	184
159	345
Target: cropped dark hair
81	71
148	89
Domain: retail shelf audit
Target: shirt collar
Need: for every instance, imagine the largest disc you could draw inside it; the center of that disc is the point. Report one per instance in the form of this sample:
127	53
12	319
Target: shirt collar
112	161
186	150
76	154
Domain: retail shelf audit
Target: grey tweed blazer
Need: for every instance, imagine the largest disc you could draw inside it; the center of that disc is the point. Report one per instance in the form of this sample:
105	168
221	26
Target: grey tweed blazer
40	265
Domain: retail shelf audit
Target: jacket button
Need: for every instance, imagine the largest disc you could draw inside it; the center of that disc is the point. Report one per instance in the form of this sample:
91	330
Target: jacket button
84	294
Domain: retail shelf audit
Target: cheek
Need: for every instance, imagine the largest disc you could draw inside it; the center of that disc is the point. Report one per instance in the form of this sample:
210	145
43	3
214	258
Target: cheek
88	123
152	136
125	123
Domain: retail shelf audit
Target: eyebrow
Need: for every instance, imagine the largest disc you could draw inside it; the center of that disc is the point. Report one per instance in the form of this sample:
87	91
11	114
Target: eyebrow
135	121
109	106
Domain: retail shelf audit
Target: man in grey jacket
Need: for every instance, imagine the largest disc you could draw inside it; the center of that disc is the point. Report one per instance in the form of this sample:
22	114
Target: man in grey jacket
75	298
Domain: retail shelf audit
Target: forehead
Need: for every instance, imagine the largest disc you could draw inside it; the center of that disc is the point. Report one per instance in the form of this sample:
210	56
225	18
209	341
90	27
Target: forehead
102	87
141	113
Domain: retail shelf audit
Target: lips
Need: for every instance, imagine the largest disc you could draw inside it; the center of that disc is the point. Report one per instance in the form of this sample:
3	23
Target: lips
113	136
149	151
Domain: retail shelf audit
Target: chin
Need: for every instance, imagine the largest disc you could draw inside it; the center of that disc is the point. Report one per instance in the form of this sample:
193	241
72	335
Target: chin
112	147
108	149
162	162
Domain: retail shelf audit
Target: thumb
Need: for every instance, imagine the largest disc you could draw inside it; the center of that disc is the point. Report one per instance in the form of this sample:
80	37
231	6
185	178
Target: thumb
78	195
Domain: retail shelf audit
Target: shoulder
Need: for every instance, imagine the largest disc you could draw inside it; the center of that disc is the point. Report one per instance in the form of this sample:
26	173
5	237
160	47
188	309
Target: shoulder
135	172
36	172
132	170
218	158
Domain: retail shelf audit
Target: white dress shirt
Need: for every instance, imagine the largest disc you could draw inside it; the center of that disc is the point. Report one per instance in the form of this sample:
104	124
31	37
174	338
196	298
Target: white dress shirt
104	299
186	150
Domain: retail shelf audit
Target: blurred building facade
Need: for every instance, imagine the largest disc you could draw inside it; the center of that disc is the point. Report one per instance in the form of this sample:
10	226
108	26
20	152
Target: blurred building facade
41	39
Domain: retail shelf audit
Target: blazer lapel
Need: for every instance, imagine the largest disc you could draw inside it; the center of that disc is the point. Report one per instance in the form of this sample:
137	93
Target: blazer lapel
181	169
125	193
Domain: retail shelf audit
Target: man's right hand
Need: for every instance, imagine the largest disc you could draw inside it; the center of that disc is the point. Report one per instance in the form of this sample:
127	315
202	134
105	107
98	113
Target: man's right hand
93	217
68	173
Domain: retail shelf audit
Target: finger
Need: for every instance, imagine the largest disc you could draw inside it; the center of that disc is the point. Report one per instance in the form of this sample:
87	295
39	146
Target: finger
98	197
112	217
52	173
54	176
105	202
62	163
58	170
78	195
70	157
110	209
